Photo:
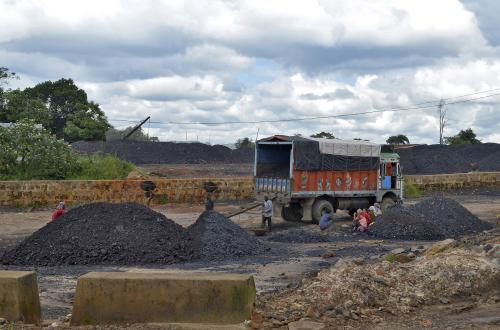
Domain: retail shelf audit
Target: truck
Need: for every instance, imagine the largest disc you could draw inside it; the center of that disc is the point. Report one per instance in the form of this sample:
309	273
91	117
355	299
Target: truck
307	176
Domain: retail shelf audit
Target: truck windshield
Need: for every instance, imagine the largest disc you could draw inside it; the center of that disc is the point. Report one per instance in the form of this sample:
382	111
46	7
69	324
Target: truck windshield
273	160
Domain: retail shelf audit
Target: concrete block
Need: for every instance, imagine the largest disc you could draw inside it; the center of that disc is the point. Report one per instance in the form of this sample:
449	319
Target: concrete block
19	299
128	297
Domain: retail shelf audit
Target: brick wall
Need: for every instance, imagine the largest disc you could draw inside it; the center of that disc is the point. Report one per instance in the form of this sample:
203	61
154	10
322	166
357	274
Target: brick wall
40	193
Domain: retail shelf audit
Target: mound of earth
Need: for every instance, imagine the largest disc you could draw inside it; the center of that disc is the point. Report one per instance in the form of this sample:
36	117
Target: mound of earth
215	237
167	152
431	219
299	236
104	233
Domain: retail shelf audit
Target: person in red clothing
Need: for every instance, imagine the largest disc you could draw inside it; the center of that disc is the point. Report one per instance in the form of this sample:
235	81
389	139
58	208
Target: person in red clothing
58	211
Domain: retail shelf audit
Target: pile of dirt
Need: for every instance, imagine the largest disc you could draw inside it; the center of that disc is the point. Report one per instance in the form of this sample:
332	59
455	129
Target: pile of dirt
349	290
299	236
104	233
167	152
437	159
430	219
215	237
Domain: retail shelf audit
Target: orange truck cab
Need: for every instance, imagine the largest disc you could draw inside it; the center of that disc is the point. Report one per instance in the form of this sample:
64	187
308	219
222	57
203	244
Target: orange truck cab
306	176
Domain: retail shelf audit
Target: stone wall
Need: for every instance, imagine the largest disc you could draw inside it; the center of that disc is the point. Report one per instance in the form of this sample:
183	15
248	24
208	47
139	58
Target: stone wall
41	193
453	181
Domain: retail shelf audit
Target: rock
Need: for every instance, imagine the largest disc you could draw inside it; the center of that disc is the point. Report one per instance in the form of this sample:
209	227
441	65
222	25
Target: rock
358	261
256	321
3	321
494	252
67	318
345	226
411	255
306	325
312	313
444	300
487	247
402	258
477	249
441	246
398	251
328	254
375	257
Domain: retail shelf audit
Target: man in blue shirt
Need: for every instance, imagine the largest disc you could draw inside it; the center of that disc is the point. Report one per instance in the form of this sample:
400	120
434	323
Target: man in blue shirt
325	220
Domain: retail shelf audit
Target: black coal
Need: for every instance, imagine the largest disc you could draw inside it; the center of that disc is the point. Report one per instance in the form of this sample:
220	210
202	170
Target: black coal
299	236
431	219
215	237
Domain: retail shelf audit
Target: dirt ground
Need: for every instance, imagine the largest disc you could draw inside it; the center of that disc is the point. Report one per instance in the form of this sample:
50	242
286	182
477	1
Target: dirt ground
285	266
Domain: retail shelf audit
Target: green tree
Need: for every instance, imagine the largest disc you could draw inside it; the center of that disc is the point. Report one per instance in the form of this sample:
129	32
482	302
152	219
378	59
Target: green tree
244	143
323	135
17	106
73	116
114	134
398	139
463	137
32	153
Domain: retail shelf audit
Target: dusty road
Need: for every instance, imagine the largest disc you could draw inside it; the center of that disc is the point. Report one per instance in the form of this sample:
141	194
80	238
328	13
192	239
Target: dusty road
284	266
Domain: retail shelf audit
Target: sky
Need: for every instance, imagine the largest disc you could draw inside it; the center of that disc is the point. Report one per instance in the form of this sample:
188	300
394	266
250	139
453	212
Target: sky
257	60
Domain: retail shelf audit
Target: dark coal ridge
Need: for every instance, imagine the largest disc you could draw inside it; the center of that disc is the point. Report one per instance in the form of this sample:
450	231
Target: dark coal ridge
104	233
439	159
215	237
167	152
299	236
433	218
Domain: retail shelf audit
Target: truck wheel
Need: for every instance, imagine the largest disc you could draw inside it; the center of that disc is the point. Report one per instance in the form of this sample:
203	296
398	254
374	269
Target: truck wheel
319	207
293	212
387	203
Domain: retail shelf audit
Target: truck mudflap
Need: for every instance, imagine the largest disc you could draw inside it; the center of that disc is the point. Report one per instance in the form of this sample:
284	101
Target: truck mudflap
272	185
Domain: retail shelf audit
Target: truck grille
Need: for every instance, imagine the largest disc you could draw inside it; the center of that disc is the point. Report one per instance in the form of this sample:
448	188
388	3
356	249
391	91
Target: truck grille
272	185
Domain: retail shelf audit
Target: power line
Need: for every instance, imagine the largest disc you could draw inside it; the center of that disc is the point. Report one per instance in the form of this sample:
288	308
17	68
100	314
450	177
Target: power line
379	110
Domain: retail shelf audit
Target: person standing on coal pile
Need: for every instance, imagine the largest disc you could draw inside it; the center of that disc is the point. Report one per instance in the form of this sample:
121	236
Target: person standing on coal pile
326	220
209	204
58	211
267	212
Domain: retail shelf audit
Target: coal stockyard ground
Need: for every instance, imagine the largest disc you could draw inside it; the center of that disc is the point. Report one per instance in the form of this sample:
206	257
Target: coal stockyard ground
420	159
208	241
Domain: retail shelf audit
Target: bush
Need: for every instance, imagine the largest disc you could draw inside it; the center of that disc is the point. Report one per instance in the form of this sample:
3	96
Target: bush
101	167
411	190
28	152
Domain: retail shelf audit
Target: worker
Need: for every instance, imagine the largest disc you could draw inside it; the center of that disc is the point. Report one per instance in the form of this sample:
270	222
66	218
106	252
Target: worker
325	220
375	208
209	205
267	212
58	211
360	221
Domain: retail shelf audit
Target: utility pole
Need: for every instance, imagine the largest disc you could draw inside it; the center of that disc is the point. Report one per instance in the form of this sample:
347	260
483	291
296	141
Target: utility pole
442	119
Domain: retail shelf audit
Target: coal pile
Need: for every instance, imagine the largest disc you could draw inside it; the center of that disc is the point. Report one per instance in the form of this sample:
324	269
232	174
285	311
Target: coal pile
431	219
299	236
439	159
404	223
167	152
215	237
103	233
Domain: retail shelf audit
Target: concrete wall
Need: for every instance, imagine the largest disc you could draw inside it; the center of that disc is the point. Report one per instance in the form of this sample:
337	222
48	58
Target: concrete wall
41	193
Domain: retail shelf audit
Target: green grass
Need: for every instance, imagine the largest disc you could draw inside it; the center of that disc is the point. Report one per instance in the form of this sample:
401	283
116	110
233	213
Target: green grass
101	167
411	190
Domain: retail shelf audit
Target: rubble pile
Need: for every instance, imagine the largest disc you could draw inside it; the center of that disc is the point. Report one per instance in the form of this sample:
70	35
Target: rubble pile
351	290
215	237
430	219
104	233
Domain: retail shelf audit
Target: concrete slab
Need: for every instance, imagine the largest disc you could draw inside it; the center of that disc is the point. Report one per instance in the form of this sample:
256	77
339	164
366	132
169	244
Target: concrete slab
128	297
19	300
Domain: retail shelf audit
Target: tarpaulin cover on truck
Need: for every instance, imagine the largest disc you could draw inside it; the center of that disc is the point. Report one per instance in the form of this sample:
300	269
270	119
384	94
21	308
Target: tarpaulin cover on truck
312	154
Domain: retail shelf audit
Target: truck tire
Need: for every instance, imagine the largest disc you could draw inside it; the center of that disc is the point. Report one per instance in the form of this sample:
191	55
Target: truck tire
387	203
294	212
319	208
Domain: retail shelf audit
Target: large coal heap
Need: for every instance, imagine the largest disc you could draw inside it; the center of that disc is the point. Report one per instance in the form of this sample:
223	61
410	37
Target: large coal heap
167	152
131	234
215	237
437	159
103	233
431	219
